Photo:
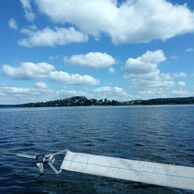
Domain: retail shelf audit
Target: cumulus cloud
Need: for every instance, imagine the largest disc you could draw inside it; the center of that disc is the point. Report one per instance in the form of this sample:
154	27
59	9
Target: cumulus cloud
181	84
111	70
180	75
26	4
41	85
92	59
14	90
51	37
152	93
64	93
174	57
28	70
13	24
112	90
146	63
64	77
143	71
181	93
19	95
190	50
109	92
126	21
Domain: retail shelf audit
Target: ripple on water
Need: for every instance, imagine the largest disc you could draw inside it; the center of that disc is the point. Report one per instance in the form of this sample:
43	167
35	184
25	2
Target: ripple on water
155	133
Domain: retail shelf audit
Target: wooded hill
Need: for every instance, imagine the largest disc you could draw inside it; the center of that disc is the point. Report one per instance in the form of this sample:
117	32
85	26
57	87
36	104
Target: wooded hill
83	101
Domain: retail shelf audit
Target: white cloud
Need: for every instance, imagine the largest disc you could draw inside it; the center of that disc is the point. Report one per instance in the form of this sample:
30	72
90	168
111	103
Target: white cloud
92	59
164	93
1	93
28	70
64	93
67	78
111	70
41	85
180	75
51	37
13	24
190	50
19	95
143	71
146	63
125	22
26	4
14	90
181	84
110	90
174	57
152	93
181	93
56	57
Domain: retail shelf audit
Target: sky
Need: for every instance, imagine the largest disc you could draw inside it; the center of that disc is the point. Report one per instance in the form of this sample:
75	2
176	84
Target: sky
115	49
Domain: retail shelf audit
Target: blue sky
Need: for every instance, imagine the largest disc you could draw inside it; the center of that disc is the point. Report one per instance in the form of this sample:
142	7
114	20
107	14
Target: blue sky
121	50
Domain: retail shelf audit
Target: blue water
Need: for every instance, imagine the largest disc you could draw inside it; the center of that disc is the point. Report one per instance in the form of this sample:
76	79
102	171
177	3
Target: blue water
150	133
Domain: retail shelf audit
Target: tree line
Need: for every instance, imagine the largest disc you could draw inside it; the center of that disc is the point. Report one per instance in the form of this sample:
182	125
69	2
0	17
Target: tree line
83	101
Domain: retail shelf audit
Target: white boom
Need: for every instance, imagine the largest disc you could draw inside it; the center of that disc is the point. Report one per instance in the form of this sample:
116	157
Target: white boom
139	171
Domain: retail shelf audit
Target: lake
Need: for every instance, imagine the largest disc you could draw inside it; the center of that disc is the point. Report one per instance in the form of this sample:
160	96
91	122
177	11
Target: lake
162	134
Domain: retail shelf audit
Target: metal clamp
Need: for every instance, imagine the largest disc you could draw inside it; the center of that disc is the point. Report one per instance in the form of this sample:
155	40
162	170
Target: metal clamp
42	159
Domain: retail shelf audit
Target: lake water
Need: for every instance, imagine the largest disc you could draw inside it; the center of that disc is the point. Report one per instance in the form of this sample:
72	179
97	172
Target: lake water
151	133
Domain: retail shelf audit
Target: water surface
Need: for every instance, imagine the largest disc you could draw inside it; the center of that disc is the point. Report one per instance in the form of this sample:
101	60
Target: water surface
151	133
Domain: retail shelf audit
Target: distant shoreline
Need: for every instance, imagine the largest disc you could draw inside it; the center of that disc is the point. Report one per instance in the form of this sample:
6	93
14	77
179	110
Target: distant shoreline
82	106
83	101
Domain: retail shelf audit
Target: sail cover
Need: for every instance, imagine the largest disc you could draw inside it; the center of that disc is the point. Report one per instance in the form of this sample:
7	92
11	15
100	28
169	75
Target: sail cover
139	171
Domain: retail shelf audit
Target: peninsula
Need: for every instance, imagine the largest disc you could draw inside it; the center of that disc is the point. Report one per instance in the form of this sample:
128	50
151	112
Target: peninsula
83	101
